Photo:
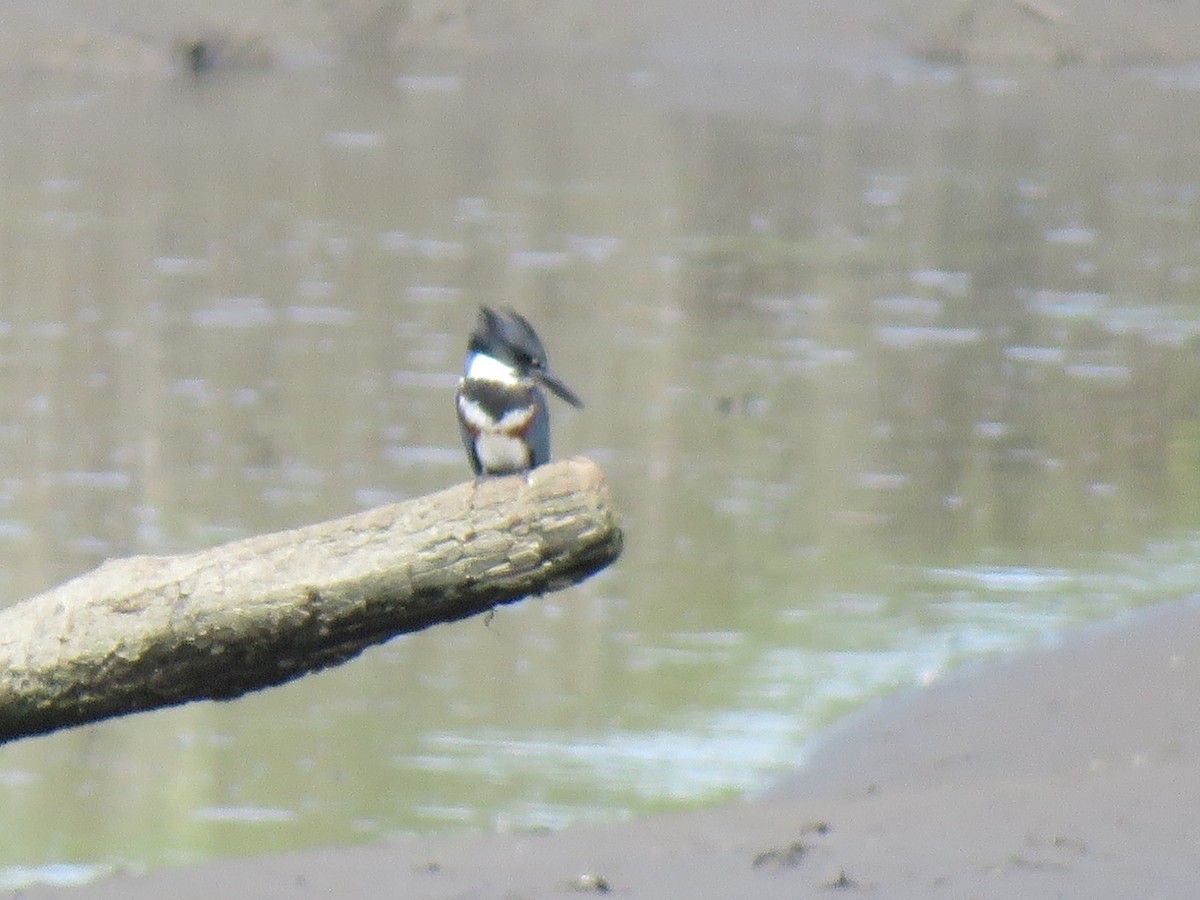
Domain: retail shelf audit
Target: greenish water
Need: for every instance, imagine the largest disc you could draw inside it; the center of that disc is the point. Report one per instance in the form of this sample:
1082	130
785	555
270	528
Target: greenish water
888	369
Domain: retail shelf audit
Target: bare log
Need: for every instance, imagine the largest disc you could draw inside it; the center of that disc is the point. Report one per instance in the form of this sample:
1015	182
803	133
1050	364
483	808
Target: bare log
151	631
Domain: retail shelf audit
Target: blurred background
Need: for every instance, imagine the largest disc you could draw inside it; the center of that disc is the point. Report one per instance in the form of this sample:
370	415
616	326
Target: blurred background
886	317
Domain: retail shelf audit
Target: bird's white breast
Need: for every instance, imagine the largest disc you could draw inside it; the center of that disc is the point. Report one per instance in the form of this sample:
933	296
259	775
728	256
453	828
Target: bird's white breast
500	453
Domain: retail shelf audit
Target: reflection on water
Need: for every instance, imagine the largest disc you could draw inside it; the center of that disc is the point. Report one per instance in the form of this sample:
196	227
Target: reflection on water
888	370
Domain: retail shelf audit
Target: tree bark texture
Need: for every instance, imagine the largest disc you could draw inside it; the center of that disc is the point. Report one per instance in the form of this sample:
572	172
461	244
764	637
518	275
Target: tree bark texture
151	631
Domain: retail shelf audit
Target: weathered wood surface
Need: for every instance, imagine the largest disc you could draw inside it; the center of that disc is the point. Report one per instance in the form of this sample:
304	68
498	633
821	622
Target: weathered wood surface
146	632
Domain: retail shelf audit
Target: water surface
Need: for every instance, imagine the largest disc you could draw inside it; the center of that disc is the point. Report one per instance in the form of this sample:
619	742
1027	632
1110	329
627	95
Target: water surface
888	368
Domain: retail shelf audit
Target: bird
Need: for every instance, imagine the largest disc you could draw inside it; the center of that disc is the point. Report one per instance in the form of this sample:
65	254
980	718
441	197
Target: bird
501	407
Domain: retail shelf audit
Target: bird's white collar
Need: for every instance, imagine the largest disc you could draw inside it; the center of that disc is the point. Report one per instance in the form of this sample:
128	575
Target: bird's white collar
488	368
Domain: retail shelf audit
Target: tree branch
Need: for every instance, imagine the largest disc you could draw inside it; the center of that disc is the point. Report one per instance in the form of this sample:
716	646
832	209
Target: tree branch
151	631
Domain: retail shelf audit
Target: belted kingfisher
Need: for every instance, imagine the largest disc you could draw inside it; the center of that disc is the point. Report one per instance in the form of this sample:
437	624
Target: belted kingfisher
501	407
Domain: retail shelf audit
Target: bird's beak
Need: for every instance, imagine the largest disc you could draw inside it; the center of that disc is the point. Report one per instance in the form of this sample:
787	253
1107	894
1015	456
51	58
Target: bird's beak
552	381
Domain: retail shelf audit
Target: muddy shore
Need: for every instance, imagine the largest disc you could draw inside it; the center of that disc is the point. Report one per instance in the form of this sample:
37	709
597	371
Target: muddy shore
163	37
